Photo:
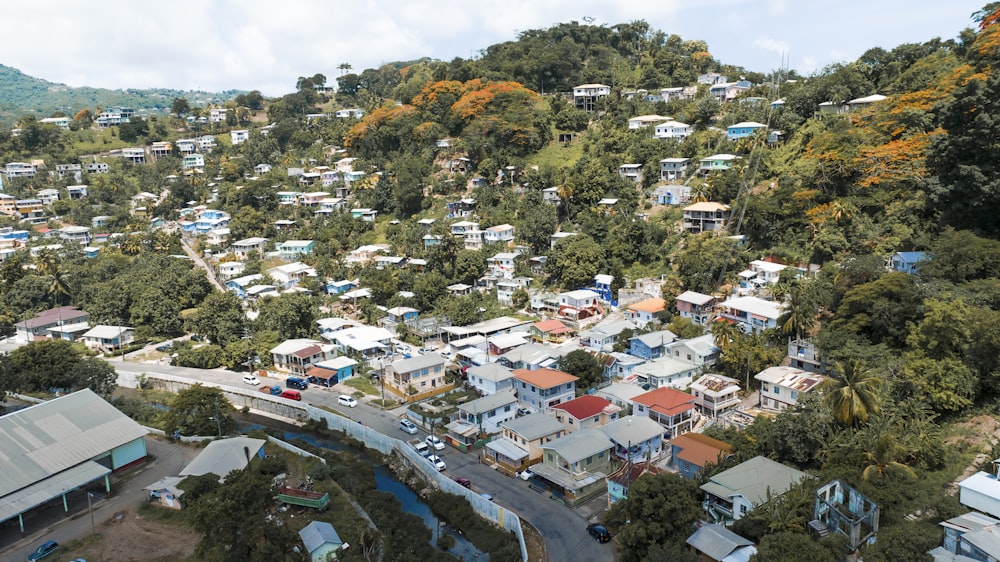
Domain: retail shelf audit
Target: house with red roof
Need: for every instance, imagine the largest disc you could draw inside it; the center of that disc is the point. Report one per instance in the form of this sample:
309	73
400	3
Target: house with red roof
669	407
541	389
692	451
550	331
297	355
585	412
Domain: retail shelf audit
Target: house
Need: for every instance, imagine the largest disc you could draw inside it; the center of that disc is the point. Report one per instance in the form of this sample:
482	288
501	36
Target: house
620	394
500	344
728	91
48	196
217	115
259	292
710	78
971	536
751	313
643	312
651	345
531	357
417	375
557	236
15	170
550	331
622	479
461	227
672	130
217	236
541	389
134	155
247	247
907	262
489	412
321	541
981	491
238	136
579	304
193	161
520	443
291	274
669	407
766	271
367	215
695	306
715	394
330	372
241	284
37	328
575	465
631	172
350	113
76	191
108	338
691	452
500	234
364	255
674	169
717	163
803	354
866	101
585	412
603	336
501	265
360	341
297	355
839	508
490	378
706	216
294	249
716	543
459	289
645	121
743	130
76	440
551	195
79	234
673	194
586	96
222	456
636	438
98	168
781	386
230	269
733	493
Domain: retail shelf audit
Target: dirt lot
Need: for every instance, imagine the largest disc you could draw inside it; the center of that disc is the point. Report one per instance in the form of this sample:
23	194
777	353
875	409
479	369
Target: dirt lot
129	538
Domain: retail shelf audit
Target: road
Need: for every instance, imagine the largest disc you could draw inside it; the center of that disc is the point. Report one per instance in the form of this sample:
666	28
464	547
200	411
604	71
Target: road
562	528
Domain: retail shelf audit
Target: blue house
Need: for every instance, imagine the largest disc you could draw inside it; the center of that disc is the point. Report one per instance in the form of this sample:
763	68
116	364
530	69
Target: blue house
340	287
329	373
651	345
602	286
907	262
743	130
691	451
622	479
241	284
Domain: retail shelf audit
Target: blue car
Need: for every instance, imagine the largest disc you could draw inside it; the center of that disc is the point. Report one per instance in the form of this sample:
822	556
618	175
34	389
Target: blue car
47	548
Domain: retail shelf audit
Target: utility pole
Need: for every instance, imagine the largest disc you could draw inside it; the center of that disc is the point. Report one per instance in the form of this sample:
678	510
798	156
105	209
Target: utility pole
90	507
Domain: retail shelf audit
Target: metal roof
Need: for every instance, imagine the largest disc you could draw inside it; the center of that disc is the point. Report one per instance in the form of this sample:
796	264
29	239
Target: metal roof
41	441
37	494
534	426
716	541
318	533
223	456
580	445
632	429
488	402
753	479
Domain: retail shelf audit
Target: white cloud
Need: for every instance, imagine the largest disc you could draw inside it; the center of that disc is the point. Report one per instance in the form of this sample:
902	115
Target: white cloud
771	45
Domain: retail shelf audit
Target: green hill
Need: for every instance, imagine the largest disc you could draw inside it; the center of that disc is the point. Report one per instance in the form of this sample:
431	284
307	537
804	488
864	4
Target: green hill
21	94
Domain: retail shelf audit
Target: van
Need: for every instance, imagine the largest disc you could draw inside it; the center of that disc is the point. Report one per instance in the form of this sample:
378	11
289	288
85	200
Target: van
251	380
292	394
295	382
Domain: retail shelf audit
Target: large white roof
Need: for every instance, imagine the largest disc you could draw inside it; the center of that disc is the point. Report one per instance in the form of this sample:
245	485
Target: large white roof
756	306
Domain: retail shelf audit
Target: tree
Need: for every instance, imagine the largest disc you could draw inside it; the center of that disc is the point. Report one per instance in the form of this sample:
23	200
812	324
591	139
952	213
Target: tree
685	329
199	410
659	510
800	315
50	365
291	316
575	261
793	547
882	458
583	365
853	392
220	318
180	106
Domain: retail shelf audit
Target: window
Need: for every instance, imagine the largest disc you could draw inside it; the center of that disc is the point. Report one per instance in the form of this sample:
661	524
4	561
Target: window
777	391
590	460
523	385
795	395
506	408
763	387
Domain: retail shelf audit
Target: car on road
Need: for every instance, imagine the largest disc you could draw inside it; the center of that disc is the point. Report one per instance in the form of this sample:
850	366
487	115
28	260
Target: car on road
297	383
163	348
437	461
599	532
345	400
251	380
408	426
47	548
433	441
465	482
486	496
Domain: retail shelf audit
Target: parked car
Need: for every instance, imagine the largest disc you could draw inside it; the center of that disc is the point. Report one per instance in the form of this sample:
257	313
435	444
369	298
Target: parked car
272	390
599	532
408	426
522	411
47	548
345	400
433	441
437	461
163	348
251	379
295	382
291	394
464	482
422	448
526	474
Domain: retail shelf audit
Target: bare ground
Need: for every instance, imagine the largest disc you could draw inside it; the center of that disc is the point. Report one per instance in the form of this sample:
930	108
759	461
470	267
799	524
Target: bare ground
978	433
127	537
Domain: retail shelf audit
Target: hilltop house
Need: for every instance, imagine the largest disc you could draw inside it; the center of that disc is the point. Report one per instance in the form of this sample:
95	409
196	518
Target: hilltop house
586	96
706	216
781	386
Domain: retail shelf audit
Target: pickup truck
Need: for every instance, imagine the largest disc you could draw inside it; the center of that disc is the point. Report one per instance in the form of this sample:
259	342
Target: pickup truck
420	447
272	390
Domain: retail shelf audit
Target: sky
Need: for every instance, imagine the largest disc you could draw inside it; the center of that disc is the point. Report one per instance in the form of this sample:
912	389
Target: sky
217	45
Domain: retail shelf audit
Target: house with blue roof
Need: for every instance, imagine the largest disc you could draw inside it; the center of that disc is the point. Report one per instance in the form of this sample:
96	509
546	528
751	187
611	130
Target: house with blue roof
321	541
907	262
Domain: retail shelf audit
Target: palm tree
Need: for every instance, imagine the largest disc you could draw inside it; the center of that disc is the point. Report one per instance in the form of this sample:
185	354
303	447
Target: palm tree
883	459
800	315
853	392
48	264
724	333
700	191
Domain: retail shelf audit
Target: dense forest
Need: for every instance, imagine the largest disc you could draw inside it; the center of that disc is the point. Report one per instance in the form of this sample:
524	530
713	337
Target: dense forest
912	356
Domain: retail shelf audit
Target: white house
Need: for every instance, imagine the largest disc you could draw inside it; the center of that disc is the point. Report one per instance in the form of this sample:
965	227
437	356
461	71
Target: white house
674	169
108	338
501	233
781	386
238	136
645	121
752	313
715	394
586	96
541	389
490	411
672	130
490	378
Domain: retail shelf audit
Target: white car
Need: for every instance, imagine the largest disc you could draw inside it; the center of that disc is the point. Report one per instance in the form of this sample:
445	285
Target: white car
345	400
408	426
437	461
421	448
251	380
433	441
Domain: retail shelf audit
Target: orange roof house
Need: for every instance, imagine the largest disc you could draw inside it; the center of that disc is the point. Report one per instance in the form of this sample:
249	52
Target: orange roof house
645	311
692	451
671	408
541	389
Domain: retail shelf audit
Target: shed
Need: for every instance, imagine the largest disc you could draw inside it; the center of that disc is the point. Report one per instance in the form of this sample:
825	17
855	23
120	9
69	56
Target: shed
321	541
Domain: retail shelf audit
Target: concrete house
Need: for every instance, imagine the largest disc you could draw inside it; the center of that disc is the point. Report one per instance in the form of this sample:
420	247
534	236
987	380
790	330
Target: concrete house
417	375
489	412
691	452
585	412
645	311
751	313
330	372
672	194
550	331
700	351
490	378
706	216
907	262
733	493
636	438
715	394
781	386
717	163
651	345
38	328
291	274
631	172
541	389
672	130
674	169
743	130
520	443
500	234
586	96
108	338
296	356
645	121
603	336
247	247
294	249
695	306
669	407
575	466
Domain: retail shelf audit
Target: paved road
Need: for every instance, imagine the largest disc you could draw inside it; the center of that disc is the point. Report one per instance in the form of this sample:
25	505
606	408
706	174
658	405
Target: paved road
562	528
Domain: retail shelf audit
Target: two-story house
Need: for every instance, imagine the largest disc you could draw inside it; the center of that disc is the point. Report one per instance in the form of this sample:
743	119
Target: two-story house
689	453
669	407
636	438
579	304
575	466
752	313
733	493
585	412
499	234
695	306
238	136
645	311
291	274
247	247
587	96
603	336
550	331
744	129
672	194
631	172
541	389
674	130
520	443
488	413
651	345
297	355
715	394
37	328
781	386
717	163
490	378
416	375
294	249
700	351
706	216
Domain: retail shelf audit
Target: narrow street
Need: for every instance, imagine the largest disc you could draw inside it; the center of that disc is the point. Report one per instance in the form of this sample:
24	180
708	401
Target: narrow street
198	261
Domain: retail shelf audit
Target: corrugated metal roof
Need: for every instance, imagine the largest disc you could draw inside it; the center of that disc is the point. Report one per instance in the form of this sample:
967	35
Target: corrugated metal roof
40	492
223	456
48	438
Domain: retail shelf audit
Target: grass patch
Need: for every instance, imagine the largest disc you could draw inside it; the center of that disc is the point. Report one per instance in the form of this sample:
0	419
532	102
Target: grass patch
559	154
362	384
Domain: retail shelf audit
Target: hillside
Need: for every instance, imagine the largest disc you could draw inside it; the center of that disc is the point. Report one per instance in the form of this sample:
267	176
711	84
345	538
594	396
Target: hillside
21	94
